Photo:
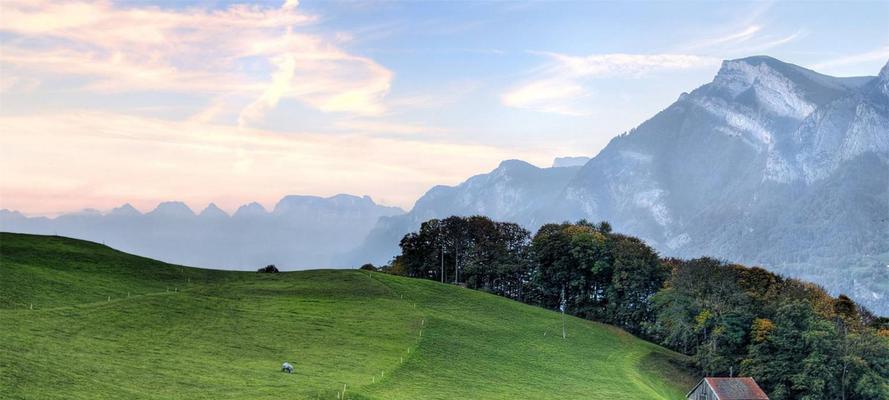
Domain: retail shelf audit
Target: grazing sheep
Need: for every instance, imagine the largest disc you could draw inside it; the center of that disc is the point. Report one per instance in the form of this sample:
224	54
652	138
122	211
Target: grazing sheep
286	367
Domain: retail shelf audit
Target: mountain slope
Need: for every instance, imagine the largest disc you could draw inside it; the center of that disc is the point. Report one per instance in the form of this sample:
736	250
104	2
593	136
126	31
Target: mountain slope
515	191
769	164
106	324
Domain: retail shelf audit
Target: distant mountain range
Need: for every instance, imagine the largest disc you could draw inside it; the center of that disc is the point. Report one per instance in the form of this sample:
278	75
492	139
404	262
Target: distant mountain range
301	231
769	164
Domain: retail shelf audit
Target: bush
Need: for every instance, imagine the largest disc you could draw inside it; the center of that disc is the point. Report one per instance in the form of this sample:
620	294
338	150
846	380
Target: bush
268	269
368	267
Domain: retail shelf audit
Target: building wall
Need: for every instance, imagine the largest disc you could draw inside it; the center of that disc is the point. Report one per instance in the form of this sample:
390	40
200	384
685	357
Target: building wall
702	392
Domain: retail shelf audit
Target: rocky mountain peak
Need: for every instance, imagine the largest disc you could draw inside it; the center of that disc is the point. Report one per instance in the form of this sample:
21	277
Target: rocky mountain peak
765	83
883	80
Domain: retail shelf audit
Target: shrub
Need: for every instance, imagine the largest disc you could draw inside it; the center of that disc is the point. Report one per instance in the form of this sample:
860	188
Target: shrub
268	269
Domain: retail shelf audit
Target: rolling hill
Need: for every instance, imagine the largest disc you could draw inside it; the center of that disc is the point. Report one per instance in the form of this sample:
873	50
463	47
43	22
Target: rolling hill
83	321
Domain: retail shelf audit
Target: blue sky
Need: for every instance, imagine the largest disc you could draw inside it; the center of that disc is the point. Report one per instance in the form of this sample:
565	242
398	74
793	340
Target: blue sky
111	102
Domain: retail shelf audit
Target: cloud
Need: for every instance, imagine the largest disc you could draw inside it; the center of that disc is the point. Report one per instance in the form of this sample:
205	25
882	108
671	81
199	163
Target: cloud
556	86
731	38
105	159
281	82
256	52
625	64
387	128
745	35
10	83
880	54
553	95
769	42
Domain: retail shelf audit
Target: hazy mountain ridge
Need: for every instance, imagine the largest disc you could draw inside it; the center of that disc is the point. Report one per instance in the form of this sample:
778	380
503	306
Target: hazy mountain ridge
300	231
514	191
770	164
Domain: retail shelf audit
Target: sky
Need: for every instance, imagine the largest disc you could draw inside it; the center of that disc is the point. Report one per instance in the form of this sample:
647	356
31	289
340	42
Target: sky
104	103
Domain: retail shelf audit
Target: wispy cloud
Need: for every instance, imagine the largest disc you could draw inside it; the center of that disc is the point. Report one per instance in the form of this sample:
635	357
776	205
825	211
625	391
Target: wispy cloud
748	40
730	38
881	54
768	42
253	51
556	86
748	33
387	128
10	83
282	80
553	95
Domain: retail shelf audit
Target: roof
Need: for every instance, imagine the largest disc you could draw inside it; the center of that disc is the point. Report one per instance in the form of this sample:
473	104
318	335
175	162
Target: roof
734	388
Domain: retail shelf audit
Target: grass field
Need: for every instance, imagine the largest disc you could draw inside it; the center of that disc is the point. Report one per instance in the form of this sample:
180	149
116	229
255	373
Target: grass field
79	320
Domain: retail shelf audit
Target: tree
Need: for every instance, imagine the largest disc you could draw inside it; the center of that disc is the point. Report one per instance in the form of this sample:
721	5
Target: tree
703	311
565	256
792	336
868	375
269	269
486	255
421	251
797	358
637	275
775	359
368	267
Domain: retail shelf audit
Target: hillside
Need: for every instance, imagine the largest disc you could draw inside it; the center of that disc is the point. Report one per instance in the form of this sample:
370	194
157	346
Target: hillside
83	321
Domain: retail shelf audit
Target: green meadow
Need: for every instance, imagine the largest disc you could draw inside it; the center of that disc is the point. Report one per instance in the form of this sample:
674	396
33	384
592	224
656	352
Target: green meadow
79	320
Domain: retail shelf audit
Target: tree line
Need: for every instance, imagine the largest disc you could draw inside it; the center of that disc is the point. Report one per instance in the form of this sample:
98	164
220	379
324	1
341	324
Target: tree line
795	339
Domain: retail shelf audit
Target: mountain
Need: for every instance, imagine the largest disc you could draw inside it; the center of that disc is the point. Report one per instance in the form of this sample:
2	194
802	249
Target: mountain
301	231
769	164
570	161
171	209
514	191
126	210
213	212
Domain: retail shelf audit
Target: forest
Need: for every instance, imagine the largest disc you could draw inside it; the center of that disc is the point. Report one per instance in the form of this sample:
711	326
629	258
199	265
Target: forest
793	337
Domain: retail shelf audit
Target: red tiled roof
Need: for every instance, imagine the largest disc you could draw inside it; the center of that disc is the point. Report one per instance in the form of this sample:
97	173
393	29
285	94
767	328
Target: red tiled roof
736	389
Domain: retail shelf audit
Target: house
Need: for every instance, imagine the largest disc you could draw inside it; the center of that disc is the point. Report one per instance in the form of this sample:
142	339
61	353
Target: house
726	389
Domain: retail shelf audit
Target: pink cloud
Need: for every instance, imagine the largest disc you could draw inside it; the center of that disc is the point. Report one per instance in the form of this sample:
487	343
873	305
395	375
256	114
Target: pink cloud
61	162
118	48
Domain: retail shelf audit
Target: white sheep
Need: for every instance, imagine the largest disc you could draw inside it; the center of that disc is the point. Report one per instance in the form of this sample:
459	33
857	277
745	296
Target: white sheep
286	367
